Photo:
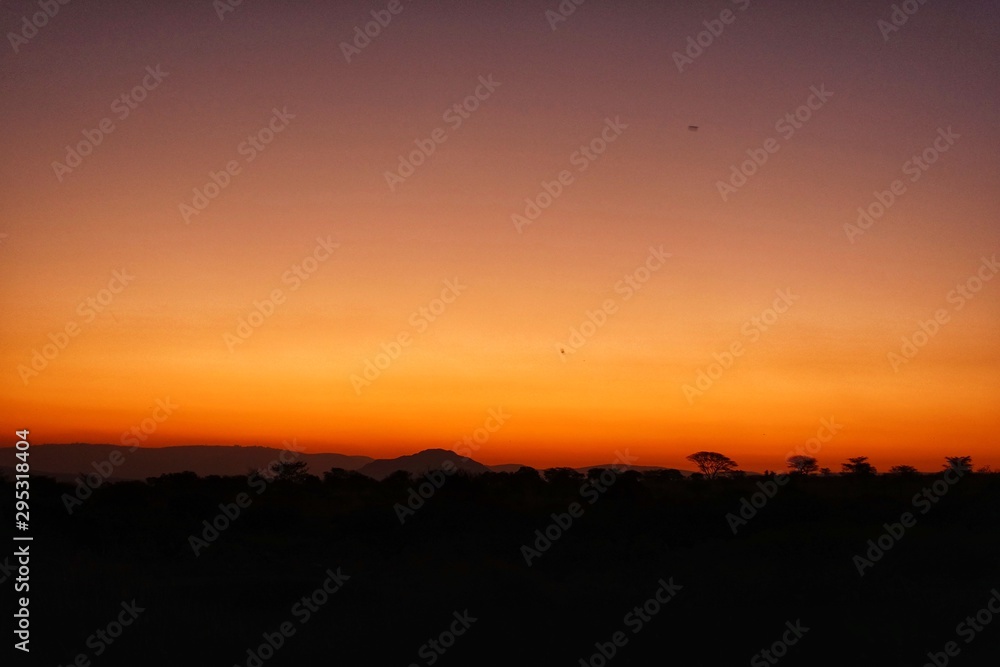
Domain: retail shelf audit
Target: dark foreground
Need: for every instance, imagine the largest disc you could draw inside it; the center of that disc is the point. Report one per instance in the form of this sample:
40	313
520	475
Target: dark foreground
648	572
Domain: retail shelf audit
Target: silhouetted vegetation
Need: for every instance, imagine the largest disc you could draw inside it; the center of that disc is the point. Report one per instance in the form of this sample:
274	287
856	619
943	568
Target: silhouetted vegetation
460	549
713	464
963	463
803	465
858	466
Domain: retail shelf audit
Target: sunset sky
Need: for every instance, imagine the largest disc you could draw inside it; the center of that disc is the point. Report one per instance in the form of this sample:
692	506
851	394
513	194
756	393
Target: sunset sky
308	214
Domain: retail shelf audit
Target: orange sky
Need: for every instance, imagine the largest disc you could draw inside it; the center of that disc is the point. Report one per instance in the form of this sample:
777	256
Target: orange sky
497	343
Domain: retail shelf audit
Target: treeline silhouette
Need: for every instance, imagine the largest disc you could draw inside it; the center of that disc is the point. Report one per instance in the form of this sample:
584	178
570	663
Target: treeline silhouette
418	550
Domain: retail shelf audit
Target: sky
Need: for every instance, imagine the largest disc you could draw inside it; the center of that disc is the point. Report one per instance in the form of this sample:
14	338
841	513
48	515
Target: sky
633	226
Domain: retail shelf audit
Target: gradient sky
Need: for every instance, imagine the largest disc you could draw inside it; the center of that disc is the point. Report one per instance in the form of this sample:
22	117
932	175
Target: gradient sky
497	345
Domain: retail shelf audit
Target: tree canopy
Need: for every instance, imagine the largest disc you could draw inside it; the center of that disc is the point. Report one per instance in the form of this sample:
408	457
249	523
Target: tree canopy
713	464
858	465
803	465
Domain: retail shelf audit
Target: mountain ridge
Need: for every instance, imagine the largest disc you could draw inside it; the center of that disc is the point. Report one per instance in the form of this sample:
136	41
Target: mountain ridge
67	461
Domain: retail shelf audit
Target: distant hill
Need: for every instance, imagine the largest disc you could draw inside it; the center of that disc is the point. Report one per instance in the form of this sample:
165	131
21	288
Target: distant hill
68	461
421	462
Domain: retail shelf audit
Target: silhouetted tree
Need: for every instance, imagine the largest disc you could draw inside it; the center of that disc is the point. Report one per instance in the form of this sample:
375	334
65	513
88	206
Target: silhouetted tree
348	481
859	466
666	475
133	535
296	472
802	465
562	476
903	470
963	463
527	474
336	475
712	464
400	478
825	472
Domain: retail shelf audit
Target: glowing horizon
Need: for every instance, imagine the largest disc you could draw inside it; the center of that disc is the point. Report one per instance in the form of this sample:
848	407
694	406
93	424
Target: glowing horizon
563	250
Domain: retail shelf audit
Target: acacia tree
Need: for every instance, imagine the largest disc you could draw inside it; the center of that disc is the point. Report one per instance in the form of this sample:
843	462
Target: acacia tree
902	470
858	466
962	463
713	464
802	465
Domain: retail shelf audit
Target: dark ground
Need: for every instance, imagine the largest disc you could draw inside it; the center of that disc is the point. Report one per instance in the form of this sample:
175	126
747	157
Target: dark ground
462	551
